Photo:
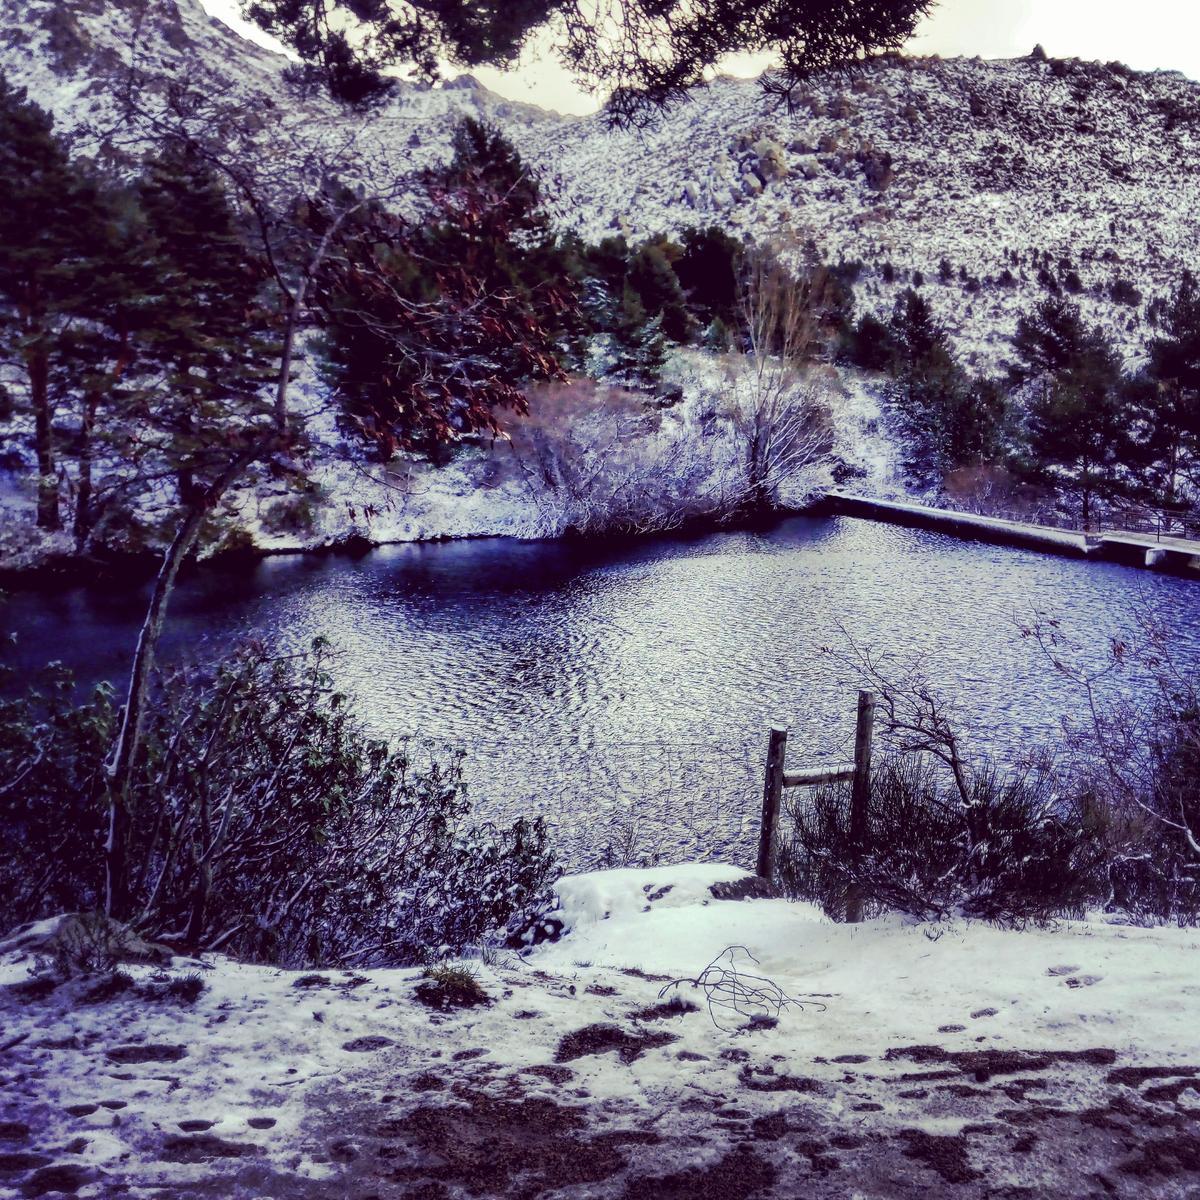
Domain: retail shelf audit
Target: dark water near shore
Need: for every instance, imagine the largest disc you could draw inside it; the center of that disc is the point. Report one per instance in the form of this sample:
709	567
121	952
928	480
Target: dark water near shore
630	684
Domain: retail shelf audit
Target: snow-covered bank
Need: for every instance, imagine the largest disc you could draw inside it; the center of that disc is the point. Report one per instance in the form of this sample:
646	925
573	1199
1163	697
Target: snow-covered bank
588	458
922	1061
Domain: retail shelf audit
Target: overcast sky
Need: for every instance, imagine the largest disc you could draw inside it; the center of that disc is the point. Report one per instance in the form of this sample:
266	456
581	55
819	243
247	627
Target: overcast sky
1147	35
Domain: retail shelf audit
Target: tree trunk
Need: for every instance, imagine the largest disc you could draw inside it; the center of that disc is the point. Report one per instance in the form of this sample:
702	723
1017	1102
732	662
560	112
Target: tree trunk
123	764
83	501
38	365
291	324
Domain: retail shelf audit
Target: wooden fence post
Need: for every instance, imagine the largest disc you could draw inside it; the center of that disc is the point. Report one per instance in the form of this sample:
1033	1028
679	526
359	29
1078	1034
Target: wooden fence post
772	791
860	797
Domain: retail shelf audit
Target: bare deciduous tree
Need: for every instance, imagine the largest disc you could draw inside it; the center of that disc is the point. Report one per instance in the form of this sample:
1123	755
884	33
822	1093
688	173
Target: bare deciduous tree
273	186
781	428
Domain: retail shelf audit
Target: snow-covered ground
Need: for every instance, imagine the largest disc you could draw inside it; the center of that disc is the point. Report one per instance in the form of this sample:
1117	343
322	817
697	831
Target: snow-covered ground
918	1061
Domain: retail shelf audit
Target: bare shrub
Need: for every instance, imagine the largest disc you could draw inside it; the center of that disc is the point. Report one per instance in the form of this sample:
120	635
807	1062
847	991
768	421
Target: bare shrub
600	459
1135	755
1111	820
596	458
90	944
1014	851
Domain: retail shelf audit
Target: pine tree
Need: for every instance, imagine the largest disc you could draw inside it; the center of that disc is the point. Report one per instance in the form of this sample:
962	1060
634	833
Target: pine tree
948	419
1054	339
638	343
928	388
870	344
651	52
1079	411
102	346
202	324
1173	403
709	271
651	275
52	231
718	337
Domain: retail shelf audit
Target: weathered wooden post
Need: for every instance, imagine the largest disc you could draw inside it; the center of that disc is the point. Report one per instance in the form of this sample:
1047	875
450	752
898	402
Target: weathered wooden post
772	792
860	796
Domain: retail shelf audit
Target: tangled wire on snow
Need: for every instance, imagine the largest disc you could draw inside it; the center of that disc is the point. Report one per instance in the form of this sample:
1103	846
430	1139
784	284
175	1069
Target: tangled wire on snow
730	993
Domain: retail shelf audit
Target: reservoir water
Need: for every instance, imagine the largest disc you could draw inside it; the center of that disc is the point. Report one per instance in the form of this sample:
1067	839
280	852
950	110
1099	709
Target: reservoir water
625	689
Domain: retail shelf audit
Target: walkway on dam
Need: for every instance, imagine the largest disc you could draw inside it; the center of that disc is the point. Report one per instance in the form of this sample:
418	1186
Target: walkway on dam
1174	554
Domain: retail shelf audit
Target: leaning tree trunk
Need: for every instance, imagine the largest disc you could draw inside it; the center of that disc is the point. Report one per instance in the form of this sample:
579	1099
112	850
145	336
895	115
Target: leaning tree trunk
122	766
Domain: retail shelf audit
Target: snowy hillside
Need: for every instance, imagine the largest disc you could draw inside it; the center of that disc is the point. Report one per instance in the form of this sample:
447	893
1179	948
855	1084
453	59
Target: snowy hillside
1086	173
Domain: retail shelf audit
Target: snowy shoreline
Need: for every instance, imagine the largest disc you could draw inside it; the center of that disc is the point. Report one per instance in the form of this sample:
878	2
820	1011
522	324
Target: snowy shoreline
932	1060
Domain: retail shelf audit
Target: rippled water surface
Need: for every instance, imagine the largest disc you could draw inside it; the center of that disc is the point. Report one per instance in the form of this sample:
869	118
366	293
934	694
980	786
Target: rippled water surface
626	689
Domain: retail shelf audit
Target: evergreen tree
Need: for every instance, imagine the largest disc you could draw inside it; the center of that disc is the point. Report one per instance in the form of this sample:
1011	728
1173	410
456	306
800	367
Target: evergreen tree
1053	340
652	276
651	52
927	387
638	342
870	344
918	338
1173	402
52	232
718	337
203	326
948	420
102	346
608	261
709	271
487	162
1079	411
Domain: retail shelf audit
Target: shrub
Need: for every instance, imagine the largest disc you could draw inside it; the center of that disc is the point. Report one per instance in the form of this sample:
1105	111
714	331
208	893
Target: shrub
86	945
180	989
450	986
1014	852
1135	760
109	987
266	823
1124	292
51	759
290	515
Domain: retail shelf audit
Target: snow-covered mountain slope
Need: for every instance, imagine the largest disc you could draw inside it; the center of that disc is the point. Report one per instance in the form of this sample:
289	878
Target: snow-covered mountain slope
1001	169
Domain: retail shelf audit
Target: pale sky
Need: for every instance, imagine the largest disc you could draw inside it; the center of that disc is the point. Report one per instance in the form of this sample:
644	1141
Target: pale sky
1149	35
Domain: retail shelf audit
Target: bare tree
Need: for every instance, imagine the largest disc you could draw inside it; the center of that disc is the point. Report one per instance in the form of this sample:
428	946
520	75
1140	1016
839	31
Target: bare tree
912	717
780	427
274	186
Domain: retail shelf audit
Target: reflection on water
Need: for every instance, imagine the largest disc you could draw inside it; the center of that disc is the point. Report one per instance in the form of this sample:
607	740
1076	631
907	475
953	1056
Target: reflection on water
539	657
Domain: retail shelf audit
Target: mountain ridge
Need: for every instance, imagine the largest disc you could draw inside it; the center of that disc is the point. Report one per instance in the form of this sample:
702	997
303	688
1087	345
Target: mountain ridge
1023	175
